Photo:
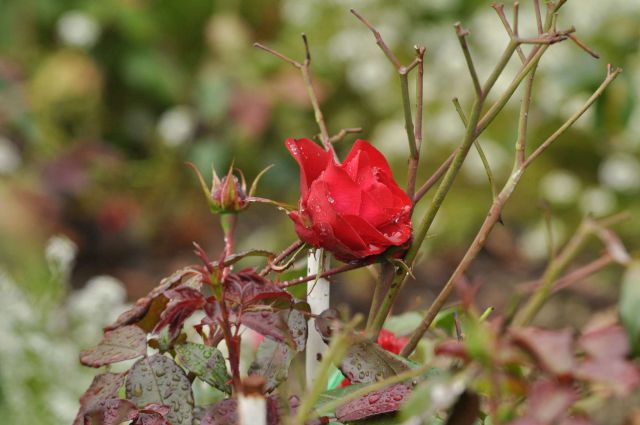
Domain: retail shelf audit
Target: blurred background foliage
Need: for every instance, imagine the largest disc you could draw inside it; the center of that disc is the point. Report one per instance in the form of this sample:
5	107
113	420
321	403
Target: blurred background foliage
102	102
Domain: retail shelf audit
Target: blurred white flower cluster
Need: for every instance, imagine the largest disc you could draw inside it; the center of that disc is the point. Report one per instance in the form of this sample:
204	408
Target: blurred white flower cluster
40	377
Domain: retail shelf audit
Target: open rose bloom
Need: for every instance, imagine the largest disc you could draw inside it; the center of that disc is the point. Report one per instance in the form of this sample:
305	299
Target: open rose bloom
354	209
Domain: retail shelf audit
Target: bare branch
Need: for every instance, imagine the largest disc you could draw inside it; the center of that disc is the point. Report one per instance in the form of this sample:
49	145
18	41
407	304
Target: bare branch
513	34
462	37
611	75
583	46
379	40
343	132
278	54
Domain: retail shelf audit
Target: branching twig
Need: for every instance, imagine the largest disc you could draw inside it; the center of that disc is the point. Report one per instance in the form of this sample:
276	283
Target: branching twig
487	226
284	254
343	132
327	273
306	76
462	38
431	181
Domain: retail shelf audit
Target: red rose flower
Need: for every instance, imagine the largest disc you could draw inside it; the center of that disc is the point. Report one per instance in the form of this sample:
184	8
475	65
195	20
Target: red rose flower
390	342
354	209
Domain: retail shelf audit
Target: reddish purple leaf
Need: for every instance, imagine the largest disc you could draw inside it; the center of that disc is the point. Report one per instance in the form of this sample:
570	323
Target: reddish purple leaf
120	344
619	375
222	413
159	380
610	342
452	348
104	387
110	412
552	349
287	326
183	302
152	414
549	400
146	311
375	403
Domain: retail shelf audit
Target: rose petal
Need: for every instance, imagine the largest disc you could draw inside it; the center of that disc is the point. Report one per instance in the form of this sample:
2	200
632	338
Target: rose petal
323	212
311	158
344	194
375	157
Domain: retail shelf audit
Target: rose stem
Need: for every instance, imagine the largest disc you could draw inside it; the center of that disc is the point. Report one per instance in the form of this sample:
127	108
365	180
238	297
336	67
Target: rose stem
494	214
317	294
475	126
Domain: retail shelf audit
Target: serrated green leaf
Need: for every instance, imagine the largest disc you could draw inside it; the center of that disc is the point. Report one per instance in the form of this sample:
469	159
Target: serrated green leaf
207	363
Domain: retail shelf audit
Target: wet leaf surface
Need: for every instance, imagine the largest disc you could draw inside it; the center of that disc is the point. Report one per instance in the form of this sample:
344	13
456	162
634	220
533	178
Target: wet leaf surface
367	362
272	363
111	412
207	363
288	326
103	387
375	403
158	379
120	344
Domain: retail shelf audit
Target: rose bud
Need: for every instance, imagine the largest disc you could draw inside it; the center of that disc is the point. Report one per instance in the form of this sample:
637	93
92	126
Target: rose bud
354	209
227	195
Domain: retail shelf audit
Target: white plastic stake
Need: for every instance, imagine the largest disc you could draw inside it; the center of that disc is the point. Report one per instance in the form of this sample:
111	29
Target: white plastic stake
318	299
252	405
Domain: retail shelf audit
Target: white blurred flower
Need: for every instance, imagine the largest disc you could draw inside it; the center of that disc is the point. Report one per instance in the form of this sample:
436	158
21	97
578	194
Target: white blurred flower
60	253
77	28
100	297
177	125
10	158
560	187
597	201
534	242
369	74
391	138
620	172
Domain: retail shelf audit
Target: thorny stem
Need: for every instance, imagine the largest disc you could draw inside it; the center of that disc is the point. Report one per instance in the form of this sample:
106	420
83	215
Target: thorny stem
444	187
487	226
611	75
572	277
478	146
556	266
462	38
474	128
431	181
313	98
327	273
343	132
413	161
403	73
284	254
